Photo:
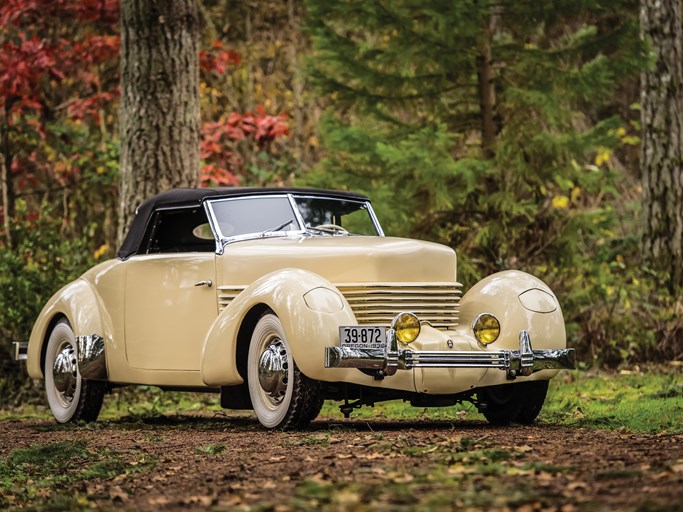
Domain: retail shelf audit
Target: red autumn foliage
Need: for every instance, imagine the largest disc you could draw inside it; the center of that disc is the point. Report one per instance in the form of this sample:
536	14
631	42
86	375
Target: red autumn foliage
36	54
61	56
220	140
217	58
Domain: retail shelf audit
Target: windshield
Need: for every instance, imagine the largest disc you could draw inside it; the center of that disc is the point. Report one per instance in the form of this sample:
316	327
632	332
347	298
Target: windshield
336	216
266	216
254	215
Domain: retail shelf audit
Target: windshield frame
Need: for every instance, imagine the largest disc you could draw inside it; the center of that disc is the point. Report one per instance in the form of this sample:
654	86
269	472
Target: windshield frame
223	240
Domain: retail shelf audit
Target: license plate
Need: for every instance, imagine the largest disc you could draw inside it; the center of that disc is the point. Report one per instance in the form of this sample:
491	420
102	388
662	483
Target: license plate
370	336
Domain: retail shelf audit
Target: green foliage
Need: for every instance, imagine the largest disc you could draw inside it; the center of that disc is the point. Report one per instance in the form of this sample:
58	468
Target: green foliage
547	194
399	173
42	262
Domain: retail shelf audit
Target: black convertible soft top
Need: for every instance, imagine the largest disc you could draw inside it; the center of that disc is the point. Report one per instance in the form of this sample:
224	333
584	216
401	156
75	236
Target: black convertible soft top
181	197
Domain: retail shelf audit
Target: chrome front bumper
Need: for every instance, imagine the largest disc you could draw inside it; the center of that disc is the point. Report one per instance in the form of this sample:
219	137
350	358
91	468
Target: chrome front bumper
524	361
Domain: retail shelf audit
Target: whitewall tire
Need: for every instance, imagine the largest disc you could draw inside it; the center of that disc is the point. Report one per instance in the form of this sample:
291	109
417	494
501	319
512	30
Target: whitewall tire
282	396
70	397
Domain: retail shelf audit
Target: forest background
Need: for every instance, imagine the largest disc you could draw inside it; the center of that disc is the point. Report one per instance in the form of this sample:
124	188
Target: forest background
508	130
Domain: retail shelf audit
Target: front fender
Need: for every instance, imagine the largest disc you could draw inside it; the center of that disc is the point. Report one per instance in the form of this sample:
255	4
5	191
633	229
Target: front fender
308	330
78	302
519	301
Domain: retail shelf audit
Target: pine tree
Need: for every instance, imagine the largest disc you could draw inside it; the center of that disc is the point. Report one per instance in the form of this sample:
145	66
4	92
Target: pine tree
479	124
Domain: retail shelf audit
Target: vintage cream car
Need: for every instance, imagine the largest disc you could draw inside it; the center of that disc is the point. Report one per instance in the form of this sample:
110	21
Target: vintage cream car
282	298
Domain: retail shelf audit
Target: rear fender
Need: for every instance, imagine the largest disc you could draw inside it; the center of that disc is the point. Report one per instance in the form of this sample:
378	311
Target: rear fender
311	321
79	304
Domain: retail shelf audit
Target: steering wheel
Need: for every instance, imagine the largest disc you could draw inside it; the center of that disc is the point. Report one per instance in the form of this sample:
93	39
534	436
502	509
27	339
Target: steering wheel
330	228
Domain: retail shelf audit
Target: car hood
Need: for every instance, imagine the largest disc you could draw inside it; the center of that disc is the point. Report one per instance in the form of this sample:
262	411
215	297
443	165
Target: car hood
341	259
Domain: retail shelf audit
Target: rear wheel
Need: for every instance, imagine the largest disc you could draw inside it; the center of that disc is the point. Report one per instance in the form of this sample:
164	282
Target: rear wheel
281	395
513	403
71	398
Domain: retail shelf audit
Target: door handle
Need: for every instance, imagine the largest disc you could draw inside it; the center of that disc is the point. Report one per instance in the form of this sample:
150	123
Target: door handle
208	283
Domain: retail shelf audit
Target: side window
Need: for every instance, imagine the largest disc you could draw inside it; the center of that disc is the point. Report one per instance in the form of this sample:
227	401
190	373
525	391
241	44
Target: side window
179	230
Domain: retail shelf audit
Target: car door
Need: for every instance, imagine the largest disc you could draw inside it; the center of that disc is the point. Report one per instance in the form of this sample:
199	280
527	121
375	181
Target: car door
170	300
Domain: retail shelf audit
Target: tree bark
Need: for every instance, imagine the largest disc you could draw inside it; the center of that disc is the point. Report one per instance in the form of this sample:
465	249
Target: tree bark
662	139
487	90
159	100
7	179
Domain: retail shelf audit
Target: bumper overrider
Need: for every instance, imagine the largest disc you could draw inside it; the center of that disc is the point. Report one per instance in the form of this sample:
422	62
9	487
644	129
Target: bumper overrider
524	361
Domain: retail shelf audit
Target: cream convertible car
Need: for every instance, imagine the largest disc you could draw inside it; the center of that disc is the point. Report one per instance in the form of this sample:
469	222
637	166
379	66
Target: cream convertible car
281	298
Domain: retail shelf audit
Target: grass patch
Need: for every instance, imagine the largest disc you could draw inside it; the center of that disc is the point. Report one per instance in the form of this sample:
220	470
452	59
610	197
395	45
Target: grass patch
646	401
50	476
311	440
211	449
425	489
618	473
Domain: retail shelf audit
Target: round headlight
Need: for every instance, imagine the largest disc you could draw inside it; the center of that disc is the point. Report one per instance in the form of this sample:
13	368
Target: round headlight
486	328
406	326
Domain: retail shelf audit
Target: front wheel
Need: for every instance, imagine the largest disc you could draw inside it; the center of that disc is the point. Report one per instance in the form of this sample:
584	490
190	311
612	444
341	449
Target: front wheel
71	398
513	403
281	395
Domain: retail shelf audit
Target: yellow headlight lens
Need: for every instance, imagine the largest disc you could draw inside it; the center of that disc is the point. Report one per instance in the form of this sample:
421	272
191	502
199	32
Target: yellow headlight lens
486	328
406	326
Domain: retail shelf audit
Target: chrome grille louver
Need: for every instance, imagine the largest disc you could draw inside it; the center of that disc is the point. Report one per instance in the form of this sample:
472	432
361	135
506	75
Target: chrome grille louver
226	294
379	303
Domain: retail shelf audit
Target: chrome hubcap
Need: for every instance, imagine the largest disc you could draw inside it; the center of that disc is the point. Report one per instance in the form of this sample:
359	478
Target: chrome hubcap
65	373
273	370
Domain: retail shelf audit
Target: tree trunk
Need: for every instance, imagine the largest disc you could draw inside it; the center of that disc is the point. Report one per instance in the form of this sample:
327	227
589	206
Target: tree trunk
487	90
159	100
7	179
662	139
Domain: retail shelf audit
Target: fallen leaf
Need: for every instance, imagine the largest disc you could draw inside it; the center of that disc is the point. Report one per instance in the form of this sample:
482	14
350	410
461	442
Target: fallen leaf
575	486
371	456
513	471
346	498
159	501
230	502
118	494
457	469
205	501
402	479
544	476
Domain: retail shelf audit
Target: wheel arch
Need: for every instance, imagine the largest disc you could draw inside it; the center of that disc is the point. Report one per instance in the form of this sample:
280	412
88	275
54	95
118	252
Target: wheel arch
58	317
500	294
244	336
77	302
282	292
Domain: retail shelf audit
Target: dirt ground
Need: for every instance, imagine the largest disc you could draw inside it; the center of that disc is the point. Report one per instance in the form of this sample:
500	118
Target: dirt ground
221	463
